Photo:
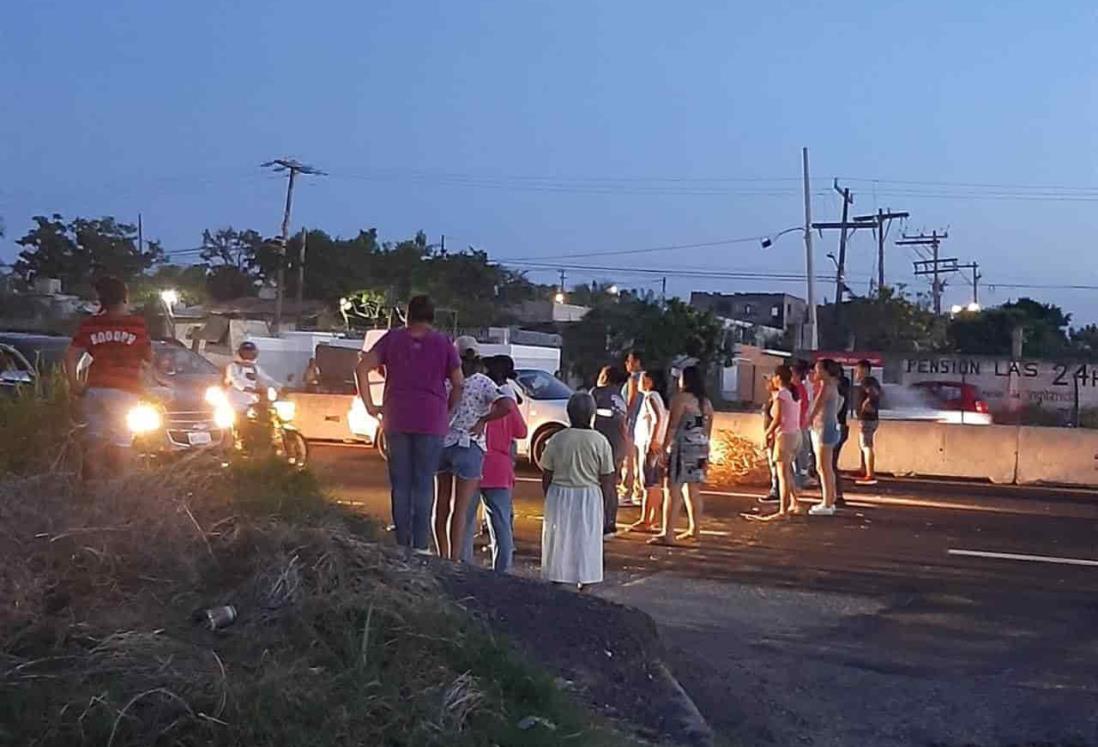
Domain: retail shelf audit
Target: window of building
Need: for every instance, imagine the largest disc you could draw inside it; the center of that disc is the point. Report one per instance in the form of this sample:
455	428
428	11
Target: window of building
747	309
775	311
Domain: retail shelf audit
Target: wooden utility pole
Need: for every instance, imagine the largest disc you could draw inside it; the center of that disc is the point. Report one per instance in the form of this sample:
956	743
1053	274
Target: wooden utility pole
880	222
140	235
292	168
301	270
843	227
935	266
813	331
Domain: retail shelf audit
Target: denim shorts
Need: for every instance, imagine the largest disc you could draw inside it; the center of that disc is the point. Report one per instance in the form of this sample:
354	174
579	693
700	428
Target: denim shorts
105	413
463	462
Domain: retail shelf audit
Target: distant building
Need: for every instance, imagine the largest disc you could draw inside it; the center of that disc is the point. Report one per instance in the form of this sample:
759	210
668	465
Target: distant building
767	311
548	312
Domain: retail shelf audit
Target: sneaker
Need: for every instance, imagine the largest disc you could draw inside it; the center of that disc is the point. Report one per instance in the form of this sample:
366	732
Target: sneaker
866	481
769	498
821	510
422	552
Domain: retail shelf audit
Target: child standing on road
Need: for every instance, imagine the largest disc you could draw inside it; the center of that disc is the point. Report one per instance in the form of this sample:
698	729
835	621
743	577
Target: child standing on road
498	481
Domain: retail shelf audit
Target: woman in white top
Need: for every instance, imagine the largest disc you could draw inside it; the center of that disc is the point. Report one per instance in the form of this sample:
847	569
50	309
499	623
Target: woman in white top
649	436
578	479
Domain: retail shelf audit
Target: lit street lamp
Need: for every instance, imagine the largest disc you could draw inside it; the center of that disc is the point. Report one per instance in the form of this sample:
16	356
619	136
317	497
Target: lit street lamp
559	297
170	298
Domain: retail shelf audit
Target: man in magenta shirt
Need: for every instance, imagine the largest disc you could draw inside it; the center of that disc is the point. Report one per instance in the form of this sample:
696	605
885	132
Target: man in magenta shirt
415	414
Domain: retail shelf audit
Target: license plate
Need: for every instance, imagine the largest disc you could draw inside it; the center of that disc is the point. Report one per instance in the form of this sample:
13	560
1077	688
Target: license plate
199	439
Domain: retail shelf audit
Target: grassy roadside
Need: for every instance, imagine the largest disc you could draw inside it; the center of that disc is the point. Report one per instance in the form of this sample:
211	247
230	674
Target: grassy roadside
339	640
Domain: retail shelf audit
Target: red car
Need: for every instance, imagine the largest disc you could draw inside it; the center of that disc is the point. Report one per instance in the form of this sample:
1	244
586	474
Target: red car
953	395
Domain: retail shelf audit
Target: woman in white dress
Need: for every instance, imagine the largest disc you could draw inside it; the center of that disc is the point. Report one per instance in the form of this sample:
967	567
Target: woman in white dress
578	478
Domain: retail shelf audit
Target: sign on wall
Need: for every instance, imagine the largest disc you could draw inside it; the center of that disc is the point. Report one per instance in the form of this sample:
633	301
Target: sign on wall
1003	381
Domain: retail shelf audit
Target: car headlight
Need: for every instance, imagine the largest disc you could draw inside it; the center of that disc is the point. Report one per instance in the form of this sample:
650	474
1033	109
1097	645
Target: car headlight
216	396
224	416
285	410
143	418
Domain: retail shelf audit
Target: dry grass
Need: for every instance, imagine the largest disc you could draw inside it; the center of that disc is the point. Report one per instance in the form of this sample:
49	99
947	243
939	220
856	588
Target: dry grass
736	461
339	639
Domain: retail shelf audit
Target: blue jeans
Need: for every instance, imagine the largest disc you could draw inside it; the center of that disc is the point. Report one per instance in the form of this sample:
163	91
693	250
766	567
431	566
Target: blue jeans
413	461
497	502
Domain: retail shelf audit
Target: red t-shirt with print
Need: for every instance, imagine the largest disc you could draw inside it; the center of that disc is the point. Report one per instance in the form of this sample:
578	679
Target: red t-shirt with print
118	346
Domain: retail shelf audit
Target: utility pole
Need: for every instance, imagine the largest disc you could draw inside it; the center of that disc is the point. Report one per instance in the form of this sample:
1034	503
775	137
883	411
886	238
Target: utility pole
663	292
301	270
292	168
935	266
976	277
140	236
813	331
840	271
843	227
880	222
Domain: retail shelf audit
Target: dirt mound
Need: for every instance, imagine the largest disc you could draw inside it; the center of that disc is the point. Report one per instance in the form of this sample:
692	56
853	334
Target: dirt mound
608	653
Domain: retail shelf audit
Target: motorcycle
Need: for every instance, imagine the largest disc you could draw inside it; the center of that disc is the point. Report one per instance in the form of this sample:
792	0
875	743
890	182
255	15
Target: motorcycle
265	425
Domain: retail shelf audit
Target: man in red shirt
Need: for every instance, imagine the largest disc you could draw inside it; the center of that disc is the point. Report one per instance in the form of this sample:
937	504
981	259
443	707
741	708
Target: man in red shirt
118	344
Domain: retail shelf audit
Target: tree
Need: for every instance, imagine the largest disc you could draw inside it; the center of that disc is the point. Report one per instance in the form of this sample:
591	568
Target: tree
660	332
990	332
892	322
231	259
78	251
1085	339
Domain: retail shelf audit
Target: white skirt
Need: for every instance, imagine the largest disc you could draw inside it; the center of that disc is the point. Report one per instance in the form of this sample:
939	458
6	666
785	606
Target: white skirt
571	536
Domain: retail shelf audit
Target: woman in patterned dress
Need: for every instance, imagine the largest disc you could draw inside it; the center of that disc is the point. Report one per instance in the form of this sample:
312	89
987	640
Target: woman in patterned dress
690	425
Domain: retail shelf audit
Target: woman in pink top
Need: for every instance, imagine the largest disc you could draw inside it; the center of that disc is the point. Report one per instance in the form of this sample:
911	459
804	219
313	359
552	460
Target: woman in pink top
498	481
784	436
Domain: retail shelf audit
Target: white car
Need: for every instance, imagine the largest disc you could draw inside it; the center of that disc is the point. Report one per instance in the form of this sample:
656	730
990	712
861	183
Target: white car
544	408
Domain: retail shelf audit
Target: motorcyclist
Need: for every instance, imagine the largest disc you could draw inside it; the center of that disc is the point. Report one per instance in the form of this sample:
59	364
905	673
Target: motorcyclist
245	380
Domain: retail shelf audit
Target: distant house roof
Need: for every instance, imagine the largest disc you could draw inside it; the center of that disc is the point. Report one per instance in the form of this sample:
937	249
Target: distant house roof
263	307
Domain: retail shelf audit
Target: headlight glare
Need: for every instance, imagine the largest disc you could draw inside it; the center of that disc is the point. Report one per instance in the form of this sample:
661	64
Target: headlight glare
143	418
285	410
224	416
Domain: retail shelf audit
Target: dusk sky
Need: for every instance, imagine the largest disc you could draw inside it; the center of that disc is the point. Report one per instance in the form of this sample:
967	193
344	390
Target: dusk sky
540	129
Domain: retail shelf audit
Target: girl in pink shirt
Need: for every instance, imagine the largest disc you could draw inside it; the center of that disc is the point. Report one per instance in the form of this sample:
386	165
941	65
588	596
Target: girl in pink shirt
498	480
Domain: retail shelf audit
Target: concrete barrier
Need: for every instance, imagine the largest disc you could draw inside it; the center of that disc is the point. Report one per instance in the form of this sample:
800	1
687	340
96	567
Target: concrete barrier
939	450
1063	456
322	416
915	448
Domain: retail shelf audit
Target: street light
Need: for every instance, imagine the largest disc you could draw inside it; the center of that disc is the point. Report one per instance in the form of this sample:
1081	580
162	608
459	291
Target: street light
613	290
768	241
956	309
169	297
973	307
559	298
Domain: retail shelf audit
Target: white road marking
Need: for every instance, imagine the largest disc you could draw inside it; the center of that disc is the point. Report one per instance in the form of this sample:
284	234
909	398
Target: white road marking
1019	556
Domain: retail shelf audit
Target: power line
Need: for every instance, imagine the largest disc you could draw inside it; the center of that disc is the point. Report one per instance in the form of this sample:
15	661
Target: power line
648	250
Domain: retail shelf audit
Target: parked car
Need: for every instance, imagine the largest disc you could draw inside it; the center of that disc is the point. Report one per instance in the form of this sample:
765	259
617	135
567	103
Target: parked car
43	352
544	408
15	370
956	396
900	402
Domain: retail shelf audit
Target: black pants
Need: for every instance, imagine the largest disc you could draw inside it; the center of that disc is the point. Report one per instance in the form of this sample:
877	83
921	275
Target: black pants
844	433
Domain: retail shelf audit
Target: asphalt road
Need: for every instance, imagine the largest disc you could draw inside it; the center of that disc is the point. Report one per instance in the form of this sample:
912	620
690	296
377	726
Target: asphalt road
926	614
